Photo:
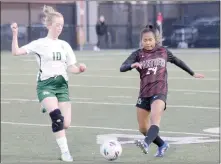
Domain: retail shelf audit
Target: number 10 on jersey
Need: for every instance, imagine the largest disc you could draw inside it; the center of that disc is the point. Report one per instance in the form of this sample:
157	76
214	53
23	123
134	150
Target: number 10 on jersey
56	56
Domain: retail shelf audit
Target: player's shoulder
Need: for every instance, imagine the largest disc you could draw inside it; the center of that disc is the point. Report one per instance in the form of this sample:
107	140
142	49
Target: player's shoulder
36	43
43	42
64	43
164	49
137	51
39	40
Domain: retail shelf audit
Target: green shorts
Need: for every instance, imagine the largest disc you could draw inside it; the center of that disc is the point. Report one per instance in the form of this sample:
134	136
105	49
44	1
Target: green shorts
53	87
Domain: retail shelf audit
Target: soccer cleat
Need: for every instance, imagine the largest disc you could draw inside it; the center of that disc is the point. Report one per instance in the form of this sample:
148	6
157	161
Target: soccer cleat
142	145
66	157
161	150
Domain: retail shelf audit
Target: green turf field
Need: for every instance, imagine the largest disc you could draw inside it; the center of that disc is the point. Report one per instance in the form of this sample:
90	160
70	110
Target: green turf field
103	106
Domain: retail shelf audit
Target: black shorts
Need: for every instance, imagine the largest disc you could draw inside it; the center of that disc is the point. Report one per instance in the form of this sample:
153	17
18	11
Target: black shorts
145	102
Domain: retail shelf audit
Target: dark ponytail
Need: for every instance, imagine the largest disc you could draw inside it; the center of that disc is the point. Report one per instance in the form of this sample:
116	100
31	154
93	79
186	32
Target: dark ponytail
150	27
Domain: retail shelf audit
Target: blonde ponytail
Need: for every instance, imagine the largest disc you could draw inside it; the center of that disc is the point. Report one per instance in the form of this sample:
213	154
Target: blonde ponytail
49	13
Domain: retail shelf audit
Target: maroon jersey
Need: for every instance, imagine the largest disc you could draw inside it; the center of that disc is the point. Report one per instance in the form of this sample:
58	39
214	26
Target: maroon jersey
153	75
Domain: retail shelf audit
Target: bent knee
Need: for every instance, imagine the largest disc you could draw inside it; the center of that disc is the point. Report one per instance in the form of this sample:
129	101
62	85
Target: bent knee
143	130
57	120
67	124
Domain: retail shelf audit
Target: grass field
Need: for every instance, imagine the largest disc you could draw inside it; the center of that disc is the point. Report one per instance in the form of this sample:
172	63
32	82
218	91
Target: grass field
103	102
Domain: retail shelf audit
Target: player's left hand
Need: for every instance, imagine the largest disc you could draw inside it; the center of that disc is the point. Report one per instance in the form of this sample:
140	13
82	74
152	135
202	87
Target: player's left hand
82	67
197	75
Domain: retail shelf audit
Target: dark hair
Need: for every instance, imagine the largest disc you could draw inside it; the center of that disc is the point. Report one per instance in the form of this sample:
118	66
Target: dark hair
151	28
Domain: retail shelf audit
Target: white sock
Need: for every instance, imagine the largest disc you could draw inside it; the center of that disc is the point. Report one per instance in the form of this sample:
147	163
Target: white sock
63	145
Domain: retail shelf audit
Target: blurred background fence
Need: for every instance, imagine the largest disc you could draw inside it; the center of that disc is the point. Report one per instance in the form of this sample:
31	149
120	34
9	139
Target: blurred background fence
196	23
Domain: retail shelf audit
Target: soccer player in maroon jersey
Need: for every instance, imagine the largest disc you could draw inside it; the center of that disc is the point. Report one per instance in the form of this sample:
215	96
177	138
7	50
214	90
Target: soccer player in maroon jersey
151	63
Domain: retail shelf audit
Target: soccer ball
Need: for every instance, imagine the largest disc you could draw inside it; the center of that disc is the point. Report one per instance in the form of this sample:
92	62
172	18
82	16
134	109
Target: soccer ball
111	150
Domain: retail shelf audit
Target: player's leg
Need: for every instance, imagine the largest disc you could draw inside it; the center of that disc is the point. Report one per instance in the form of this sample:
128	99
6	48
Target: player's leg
143	117
143	114
64	103
66	112
158	105
65	108
157	108
52	107
49	101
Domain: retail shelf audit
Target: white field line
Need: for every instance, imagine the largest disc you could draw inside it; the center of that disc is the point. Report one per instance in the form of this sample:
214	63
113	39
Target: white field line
118	87
116	103
105	128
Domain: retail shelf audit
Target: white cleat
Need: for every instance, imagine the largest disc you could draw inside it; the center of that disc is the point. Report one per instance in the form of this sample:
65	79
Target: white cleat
96	48
66	157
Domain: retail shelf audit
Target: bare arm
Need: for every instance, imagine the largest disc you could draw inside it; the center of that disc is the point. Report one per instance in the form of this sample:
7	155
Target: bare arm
15	48
74	69
72	61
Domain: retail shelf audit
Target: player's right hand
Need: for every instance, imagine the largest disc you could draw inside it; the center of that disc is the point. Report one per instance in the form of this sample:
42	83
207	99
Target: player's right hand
14	28
82	67
136	65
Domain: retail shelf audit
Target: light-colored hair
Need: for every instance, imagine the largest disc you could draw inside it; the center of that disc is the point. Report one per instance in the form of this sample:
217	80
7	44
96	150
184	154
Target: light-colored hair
49	13
158	36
